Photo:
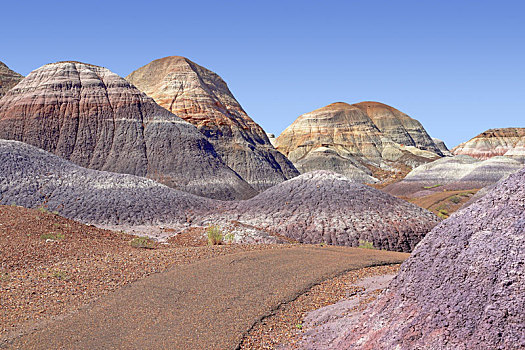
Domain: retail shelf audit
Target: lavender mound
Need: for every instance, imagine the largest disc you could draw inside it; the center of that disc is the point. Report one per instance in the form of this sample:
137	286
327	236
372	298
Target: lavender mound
33	178
323	206
462	288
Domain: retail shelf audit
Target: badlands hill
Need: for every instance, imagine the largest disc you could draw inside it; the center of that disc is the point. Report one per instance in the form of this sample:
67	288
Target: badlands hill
202	98
454	173
363	141
98	120
34	178
495	142
312	208
462	288
323	206
8	79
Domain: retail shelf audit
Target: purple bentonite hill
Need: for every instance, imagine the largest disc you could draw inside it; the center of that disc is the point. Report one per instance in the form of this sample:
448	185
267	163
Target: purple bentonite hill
462	288
323	206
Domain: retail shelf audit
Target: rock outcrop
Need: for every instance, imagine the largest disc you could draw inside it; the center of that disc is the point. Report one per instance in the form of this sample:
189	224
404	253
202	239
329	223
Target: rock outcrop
495	142
98	120
8	79
202	98
323	206
454	173
442	147
360	141
33	178
462	288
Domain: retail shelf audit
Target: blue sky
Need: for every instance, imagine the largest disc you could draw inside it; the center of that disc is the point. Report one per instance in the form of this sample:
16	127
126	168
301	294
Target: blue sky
456	66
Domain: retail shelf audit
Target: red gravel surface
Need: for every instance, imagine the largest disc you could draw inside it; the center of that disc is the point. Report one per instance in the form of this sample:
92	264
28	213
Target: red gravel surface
50	265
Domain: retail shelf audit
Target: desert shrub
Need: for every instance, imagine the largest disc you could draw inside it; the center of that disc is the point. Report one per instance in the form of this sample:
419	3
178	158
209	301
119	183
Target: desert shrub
214	234
230	237
60	275
43	210
443	214
366	244
141	242
455	199
432	186
52	236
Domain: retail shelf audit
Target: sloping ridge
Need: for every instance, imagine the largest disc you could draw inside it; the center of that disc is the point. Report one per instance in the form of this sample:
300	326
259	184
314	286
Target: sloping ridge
455	173
462	288
202	98
32	177
312	208
98	120
8	79
323	206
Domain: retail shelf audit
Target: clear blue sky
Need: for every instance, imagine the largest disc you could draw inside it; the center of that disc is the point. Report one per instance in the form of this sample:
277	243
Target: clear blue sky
456	66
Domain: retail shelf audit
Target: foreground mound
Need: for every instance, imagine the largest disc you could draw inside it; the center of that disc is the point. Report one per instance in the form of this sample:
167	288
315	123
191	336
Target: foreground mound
462	288
202	98
32	178
98	120
454	173
323	206
495	142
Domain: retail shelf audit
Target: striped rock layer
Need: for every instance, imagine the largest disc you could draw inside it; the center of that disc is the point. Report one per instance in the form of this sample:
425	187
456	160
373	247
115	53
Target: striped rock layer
495	142
454	173
98	120
356	140
202	98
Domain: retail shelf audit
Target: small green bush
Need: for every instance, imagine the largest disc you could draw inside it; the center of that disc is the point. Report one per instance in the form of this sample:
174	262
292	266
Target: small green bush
52	236
214	234
366	244
43	210
142	242
455	199
432	186
443	214
61	275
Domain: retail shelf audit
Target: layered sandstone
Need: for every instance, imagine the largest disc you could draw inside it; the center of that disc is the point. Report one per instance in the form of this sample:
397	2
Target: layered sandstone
462	288
96	119
495	142
202	98
324	206
398	126
8	79
344	138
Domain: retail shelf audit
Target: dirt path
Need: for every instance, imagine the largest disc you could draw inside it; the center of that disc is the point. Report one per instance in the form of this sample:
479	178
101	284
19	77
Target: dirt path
206	305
